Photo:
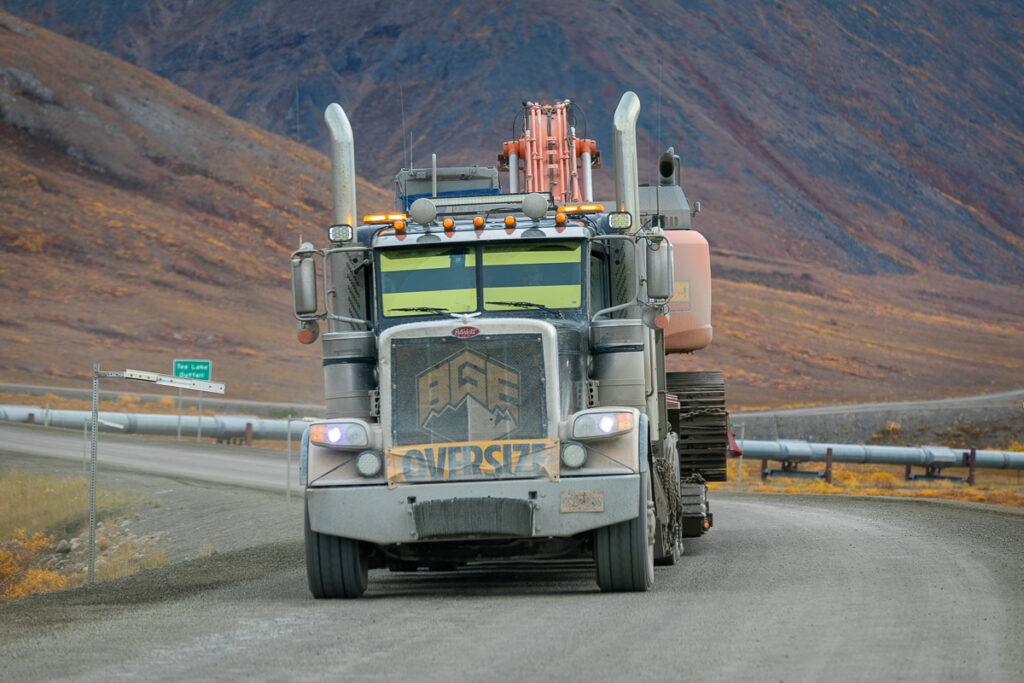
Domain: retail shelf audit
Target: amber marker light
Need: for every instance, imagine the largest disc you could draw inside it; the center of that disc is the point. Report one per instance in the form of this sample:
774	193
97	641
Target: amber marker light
448	224
582	208
560	218
399	226
478	221
510	221
384	217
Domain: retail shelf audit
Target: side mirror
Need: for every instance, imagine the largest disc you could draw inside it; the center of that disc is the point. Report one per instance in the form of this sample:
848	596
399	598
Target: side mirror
304	299
660	278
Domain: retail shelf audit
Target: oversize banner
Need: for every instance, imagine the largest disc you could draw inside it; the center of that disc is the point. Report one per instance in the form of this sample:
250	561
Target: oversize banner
513	459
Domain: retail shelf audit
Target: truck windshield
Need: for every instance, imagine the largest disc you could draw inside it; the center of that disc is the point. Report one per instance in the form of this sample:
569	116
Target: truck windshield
420	281
545	275
461	279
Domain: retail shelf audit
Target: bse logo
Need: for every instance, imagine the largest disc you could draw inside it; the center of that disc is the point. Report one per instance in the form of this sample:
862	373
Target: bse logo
468	397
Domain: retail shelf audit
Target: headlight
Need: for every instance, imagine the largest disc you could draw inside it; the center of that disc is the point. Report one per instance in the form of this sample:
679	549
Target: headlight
368	463
620	221
340	233
601	424
573	454
339	435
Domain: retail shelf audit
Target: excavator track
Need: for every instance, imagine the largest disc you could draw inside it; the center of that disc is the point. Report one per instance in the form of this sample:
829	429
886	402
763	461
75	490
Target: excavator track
701	422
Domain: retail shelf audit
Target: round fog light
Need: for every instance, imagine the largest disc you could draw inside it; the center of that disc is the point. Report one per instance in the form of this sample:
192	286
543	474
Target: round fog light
368	463
574	455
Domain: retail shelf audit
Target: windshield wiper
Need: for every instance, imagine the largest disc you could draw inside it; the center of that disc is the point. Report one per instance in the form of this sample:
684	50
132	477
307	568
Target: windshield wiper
422	309
526	304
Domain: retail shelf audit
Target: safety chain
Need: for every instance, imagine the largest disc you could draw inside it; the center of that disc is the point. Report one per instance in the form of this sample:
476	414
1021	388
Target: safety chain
667	476
701	412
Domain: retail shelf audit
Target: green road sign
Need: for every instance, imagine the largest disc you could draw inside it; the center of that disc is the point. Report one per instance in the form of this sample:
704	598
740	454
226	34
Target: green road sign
192	369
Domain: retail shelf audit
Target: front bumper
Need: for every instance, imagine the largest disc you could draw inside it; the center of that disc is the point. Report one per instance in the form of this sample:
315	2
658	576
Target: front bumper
517	508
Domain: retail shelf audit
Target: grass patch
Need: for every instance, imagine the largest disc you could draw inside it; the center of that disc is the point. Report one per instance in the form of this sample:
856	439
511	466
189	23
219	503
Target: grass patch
46	518
53	505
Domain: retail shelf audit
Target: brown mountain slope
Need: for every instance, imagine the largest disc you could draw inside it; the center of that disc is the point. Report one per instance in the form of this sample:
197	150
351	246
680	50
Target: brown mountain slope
139	224
873	137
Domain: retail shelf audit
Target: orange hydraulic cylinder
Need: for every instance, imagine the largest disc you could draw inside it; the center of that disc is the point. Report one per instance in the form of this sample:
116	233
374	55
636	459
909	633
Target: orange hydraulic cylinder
548	154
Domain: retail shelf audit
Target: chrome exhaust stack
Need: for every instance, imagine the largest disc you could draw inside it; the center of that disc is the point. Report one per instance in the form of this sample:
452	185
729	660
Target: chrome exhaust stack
627	177
349	348
343	165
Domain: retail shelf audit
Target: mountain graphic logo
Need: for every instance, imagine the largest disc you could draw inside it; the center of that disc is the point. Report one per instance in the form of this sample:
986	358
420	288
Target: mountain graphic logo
468	396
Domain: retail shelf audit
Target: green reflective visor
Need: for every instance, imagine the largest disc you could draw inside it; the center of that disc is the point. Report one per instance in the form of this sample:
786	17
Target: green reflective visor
412	282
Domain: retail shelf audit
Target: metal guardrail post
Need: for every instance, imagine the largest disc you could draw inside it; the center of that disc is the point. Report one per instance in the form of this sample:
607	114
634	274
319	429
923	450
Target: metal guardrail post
828	466
971	464
92	470
199	424
288	466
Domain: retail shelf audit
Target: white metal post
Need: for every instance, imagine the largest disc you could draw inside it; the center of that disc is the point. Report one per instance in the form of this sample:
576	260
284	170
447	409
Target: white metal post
288	495
92	470
199	425
739	476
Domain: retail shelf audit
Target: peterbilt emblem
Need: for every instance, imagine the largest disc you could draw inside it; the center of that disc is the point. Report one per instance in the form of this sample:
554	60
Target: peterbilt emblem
465	332
468	395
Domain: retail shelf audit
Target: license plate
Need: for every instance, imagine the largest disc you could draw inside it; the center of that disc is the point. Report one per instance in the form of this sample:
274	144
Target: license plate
582	501
514	459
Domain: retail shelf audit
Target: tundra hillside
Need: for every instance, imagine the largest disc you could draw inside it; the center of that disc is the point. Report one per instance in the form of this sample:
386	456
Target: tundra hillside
139	223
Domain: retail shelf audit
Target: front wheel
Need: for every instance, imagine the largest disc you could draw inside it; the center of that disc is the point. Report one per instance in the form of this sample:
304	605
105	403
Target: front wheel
335	567
624	552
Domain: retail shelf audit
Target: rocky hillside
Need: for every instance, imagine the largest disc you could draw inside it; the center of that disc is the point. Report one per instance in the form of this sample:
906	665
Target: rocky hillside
875	138
140	223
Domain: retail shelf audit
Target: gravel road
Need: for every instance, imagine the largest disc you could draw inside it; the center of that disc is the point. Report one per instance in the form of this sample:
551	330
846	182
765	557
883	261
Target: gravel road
784	588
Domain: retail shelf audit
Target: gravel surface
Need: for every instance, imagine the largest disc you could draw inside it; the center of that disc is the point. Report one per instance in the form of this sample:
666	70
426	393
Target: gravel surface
783	588
191	517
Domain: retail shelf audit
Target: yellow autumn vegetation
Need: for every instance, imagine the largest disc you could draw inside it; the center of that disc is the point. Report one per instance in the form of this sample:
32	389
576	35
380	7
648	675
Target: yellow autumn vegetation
994	487
33	508
20	572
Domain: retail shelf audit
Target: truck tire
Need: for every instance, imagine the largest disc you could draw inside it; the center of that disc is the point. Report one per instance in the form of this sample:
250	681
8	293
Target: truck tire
624	553
334	566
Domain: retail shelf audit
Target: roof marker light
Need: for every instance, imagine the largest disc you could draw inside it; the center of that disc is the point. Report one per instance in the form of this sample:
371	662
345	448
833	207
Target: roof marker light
582	208
384	217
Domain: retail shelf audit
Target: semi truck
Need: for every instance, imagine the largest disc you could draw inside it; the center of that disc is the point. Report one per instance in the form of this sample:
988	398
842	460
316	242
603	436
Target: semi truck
494	364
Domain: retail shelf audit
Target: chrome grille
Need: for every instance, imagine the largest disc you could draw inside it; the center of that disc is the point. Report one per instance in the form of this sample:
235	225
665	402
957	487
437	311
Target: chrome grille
487	388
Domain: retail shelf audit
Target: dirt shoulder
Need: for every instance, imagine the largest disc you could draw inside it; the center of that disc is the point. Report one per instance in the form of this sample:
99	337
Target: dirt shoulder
189	518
